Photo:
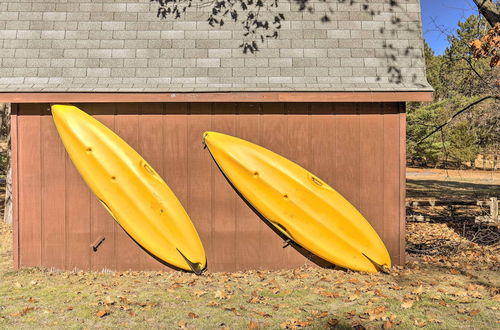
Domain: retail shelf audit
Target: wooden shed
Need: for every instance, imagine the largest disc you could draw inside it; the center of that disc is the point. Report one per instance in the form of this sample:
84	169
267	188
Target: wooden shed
329	96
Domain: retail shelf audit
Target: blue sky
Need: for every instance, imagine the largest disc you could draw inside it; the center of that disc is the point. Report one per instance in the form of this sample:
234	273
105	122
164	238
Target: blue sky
440	17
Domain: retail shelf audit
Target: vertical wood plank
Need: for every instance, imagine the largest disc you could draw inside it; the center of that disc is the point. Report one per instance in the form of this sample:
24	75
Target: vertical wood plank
371	162
15	183
273	133
249	251
150	132
402	184
77	210
347	151
297	150
175	150
223	198
199	175
102	223
128	252
391	180
322	143
30	210
175	153
53	187
322	135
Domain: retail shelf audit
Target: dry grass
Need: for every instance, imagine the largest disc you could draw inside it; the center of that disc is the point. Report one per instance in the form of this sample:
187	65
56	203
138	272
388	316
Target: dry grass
435	293
460	290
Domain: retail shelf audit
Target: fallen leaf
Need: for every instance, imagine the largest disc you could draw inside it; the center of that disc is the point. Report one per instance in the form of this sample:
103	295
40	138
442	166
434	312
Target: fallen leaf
199	293
322	315
193	315
388	324
23	312
182	324
263	314
332	323
220	294
419	290
407	304
474	312
330	294
252	325
420	323
102	313
109	301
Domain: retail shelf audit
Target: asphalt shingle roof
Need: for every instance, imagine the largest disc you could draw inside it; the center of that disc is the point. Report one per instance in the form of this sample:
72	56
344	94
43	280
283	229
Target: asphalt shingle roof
112	46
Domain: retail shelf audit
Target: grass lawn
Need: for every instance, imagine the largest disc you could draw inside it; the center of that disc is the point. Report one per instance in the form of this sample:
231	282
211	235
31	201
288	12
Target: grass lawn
439	291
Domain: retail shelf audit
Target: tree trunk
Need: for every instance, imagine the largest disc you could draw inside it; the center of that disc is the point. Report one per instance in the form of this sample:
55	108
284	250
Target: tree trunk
489	10
7	211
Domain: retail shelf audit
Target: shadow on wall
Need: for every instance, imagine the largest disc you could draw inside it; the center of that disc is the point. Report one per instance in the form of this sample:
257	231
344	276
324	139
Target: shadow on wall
259	25
286	241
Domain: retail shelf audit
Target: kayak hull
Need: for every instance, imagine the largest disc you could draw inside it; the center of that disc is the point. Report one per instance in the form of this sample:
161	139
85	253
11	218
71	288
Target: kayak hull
299	205
130	189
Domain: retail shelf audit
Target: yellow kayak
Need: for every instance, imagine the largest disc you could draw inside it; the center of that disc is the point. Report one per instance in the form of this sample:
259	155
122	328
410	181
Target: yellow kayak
299	204
130	189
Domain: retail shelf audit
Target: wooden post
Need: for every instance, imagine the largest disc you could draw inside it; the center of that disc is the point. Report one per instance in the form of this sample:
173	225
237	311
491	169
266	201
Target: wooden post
494	209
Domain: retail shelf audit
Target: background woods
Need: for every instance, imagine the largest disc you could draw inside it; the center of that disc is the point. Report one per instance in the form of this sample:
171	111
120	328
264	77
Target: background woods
462	123
462	126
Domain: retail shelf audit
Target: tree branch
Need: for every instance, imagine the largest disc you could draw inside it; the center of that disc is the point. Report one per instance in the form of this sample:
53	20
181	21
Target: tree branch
489	10
457	114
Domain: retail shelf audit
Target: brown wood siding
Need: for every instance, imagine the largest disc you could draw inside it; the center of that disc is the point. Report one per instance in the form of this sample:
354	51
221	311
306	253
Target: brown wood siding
358	148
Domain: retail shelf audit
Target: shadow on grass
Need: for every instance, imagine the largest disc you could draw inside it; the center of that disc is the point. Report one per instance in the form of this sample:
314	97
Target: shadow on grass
455	190
462	219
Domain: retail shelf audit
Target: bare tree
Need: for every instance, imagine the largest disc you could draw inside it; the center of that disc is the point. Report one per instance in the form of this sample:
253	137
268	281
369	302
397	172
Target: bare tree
489	9
5	134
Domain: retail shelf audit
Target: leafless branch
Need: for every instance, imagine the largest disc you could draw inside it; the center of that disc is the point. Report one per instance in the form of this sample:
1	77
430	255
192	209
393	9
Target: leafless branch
468	107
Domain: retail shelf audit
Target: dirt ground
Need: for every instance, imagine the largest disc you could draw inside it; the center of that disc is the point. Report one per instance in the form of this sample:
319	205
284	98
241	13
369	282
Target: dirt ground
451	281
